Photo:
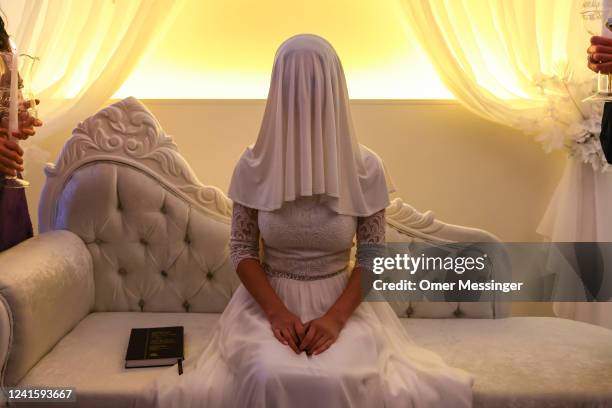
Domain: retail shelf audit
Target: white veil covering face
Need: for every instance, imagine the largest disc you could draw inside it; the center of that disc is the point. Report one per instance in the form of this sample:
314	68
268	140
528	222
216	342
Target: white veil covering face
307	144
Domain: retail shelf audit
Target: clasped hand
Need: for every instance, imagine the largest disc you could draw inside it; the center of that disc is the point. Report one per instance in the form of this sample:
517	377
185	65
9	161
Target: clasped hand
313	337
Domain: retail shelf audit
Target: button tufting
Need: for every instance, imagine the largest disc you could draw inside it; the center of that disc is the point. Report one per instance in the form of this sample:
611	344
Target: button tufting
409	311
186	305
122	271
187	239
98	241
141	303
143	241
163	209
458	312
164	274
209	275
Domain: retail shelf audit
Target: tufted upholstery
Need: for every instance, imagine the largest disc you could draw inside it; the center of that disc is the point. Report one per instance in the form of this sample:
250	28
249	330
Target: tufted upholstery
151	238
159	238
151	250
154	252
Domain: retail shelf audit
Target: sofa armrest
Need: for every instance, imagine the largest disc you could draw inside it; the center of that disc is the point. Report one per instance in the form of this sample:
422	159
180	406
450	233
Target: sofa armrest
46	288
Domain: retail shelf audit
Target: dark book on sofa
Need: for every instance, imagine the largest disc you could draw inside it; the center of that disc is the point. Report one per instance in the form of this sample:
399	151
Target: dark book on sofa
154	347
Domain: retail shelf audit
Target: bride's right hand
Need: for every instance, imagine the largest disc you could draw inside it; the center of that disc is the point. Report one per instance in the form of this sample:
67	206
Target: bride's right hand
287	328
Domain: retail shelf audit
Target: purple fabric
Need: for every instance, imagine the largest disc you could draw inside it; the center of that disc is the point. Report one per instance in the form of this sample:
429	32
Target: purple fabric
15	224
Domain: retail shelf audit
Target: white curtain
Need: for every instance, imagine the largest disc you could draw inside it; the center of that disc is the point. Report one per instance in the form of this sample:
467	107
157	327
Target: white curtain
501	58
86	50
522	63
580	211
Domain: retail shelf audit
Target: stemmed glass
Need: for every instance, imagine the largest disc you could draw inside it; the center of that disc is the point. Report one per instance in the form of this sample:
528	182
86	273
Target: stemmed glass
597	20
26	104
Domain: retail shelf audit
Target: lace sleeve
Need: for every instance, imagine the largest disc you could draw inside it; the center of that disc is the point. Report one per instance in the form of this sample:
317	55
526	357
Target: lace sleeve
244	238
370	231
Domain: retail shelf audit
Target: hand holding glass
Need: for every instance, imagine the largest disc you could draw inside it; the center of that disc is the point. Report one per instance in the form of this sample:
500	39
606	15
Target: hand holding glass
18	111
597	20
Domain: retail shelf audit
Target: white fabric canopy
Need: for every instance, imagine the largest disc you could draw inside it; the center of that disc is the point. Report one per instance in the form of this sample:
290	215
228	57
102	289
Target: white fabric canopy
307	144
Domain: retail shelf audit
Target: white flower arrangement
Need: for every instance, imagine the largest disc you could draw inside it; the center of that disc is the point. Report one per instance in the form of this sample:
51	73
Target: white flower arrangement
568	123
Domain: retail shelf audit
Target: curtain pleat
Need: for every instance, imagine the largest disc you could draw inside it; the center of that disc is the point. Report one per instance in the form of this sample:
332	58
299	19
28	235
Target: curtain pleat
86	49
522	63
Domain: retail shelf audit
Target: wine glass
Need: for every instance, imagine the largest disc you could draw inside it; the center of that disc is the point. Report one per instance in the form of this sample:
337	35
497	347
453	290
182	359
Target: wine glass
23	98
597	20
28	65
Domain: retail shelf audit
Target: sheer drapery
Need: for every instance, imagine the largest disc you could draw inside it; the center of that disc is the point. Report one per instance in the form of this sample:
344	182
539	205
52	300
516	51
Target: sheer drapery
86	50
522	63
499	57
580	211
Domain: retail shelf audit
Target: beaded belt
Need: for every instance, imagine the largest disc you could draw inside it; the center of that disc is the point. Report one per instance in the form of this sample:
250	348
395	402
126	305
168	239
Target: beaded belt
296	276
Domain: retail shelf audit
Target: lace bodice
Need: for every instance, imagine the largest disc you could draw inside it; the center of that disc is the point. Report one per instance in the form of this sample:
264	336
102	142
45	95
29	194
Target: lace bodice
303	239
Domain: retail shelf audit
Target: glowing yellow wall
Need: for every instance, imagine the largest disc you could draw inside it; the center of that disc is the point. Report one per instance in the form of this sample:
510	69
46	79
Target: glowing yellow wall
225	49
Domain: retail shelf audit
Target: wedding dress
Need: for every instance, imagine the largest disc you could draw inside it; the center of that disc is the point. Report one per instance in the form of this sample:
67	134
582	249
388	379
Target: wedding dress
305	189
373	363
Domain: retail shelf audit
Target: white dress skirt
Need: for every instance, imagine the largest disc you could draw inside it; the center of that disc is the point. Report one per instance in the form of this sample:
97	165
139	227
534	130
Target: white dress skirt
373	363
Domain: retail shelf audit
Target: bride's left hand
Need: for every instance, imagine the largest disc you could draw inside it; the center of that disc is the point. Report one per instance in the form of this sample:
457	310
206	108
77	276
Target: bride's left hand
321	333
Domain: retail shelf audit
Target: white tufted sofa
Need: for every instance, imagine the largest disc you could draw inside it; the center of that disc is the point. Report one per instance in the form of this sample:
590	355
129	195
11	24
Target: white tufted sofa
130	238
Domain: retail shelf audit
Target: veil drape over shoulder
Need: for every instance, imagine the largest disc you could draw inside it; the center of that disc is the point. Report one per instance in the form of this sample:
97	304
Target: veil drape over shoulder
307	144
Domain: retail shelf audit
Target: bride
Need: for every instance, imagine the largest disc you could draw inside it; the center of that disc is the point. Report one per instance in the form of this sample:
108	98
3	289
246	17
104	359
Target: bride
295	333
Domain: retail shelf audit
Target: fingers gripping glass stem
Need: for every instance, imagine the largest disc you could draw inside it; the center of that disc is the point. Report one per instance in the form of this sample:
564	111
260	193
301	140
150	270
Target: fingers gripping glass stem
18	111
